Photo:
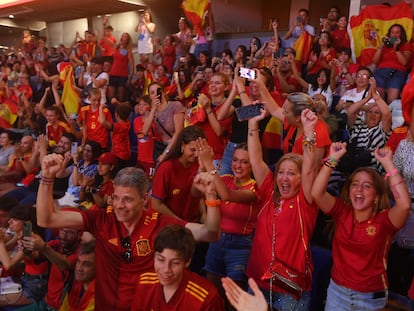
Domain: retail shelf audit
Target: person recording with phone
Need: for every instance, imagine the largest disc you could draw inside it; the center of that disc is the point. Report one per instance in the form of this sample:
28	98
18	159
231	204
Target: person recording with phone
393	60
300	26
34	280
168	117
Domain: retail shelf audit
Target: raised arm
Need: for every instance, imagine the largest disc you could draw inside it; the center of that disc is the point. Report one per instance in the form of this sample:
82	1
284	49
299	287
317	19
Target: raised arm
259	167
399	213
386	115
322	198
310	160
47	216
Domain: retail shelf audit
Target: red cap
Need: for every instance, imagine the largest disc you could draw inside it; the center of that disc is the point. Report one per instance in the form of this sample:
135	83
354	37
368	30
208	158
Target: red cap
107	158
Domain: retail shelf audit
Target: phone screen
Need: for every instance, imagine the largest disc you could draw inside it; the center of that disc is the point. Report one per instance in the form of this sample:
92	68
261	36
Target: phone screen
74	148
246	112
247	73
159	92
27	228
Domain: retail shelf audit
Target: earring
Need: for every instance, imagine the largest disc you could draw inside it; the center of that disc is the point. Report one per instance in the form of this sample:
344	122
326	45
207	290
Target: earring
182	150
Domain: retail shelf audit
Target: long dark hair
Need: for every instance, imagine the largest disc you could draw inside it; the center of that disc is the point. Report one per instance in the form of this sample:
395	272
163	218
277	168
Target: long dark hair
187	135
325	86
403	36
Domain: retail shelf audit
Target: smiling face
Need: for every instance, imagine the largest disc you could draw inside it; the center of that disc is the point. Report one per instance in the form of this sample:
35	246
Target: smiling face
321	79
362	192
240	165
169	266
85	270
288	179
128	204
373	116
217	86
289	114
362	79
189	155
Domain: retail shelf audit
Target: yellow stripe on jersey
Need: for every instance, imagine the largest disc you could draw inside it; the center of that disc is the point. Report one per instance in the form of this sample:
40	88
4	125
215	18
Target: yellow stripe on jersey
148	278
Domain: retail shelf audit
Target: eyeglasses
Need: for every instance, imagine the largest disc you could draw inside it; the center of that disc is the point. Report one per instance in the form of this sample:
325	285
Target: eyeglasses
361	75
126	244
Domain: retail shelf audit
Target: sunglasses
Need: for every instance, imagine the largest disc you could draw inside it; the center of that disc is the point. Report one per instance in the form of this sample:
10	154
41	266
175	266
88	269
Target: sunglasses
126	244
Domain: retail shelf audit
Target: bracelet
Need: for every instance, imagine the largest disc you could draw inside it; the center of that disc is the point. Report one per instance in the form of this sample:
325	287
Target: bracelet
330	162
309	142
210	111
398	183
212	203
47	180
391	173
213	172
242	92
251	131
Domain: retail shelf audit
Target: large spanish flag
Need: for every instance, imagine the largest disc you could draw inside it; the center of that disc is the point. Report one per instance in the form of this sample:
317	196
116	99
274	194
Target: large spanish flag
195	11
368	28
70	96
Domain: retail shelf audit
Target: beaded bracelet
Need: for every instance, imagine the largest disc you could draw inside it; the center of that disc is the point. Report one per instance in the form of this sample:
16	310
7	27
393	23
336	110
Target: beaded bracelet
213	203
46	180
251	131
309	142
330	162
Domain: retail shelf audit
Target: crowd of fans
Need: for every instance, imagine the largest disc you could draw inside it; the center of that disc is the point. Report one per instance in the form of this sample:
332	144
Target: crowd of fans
167	142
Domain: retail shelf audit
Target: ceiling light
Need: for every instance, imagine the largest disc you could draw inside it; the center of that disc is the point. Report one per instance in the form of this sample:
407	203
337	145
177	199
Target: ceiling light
11	16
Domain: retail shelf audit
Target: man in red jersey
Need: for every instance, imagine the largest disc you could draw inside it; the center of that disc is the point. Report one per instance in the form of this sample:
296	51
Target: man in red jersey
124	234
62	254
172	286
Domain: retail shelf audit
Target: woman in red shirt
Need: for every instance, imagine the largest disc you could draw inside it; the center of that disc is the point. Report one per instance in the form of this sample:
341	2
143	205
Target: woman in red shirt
393	59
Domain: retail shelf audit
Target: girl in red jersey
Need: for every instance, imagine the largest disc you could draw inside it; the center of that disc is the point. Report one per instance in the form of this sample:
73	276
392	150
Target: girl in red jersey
238	208
365	227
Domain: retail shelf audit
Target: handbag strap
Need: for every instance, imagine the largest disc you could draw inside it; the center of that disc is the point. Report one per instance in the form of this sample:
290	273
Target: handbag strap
163	128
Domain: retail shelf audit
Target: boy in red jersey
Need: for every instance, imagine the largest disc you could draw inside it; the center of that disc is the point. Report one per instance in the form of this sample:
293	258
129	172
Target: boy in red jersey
172	286
89	119
120	131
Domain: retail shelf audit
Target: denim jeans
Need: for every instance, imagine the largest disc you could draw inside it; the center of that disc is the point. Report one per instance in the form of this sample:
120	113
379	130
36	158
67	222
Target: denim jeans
227	158
345	299
286	302
229	255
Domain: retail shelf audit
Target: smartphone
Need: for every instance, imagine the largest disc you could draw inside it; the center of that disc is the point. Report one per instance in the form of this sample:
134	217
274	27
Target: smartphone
159	93
27	228
247	73
74	148
246	112
299	19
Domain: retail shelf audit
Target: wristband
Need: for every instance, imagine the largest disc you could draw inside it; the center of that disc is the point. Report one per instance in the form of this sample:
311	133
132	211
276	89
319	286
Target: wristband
242	92
212	203
330	162
391	173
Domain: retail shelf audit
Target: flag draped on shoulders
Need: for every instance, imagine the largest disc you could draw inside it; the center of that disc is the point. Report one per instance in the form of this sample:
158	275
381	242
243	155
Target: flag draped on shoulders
8	113
368	28
70	96
195	11
303	47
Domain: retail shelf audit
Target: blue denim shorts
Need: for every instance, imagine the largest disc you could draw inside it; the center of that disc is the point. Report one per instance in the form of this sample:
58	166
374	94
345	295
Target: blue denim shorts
229	255
342	298
117	81
35	286
389	78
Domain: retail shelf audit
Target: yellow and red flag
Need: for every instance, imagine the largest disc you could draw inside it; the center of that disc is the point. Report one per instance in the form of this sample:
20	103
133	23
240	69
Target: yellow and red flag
70	96
368	28
8	114
303	47
195	11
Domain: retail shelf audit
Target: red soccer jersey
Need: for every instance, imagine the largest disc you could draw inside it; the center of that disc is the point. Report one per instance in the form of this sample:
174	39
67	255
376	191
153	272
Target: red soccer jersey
288	243
54	132
194	293
322	139
397	135
88	48
145	142
327	57
172	185
107	48
389	58
218	143
57	277
94	129
116	279
239	218
360	249
120	140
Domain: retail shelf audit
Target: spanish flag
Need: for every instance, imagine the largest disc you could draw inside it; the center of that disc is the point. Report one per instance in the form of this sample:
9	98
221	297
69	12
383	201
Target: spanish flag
195	11
303	47
368	28
8	114
70	96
